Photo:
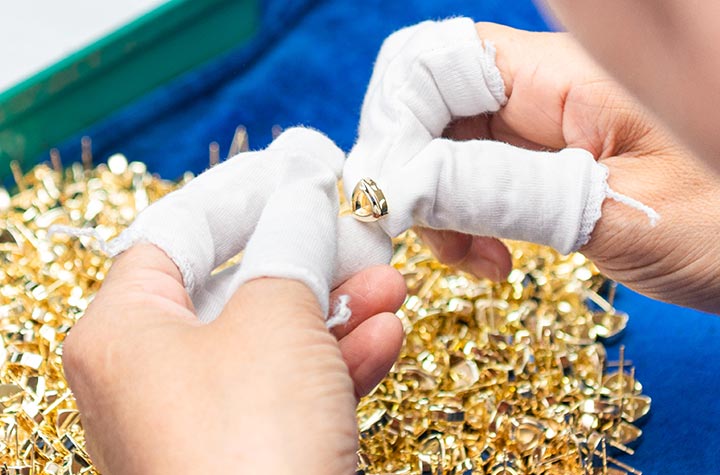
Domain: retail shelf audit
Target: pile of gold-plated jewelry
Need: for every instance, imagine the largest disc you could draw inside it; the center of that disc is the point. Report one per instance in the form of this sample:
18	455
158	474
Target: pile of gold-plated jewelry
45	286
504	379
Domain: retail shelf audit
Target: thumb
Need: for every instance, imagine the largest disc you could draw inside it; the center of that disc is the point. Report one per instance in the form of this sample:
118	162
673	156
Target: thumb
277	307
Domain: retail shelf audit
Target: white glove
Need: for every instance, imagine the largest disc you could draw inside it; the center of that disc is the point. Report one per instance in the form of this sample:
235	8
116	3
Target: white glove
427	75
280	205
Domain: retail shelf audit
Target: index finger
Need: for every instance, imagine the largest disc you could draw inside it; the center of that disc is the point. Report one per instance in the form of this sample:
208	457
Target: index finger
556	93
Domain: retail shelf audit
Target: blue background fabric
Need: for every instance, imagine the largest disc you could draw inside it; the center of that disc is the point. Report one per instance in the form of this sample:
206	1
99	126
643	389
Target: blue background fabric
309	64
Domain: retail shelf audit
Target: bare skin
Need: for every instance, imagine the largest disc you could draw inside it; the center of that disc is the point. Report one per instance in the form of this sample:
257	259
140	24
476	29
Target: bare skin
666	52
558	97
266	389
263	389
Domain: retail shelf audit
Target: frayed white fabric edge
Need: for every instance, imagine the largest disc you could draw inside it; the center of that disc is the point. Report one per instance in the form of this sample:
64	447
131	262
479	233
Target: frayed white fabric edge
341	313
110	248
600	190
80	232
495	83
652	215
122	243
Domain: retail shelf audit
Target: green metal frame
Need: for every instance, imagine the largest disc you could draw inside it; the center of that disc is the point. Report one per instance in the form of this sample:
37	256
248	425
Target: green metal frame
92	83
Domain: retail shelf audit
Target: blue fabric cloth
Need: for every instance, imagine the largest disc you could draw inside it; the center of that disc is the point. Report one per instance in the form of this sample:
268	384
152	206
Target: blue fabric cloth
309	65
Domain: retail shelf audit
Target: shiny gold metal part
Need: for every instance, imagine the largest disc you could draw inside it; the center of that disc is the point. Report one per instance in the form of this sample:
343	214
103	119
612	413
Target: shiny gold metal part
213	154
239	142
86	154
45	286
507	378
368	202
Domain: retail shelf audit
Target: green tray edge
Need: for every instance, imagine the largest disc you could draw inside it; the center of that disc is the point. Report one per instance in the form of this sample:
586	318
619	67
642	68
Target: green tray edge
90	84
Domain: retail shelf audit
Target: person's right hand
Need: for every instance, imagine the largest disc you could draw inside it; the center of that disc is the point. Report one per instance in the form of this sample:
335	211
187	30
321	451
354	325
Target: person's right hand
559	98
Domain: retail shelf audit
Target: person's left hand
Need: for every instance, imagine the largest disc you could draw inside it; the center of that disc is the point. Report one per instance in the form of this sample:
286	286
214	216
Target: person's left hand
265	388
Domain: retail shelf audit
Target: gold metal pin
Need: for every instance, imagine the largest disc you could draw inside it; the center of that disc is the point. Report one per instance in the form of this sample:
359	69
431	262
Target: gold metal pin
214	154
239	143
86	155
18	175
55	160
506	377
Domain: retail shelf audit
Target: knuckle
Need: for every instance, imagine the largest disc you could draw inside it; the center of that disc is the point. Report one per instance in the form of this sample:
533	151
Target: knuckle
75	352
84	347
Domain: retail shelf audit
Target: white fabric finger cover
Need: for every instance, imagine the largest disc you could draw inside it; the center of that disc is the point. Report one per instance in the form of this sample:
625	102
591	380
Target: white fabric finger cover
296	237
489	188
210	219
427	75
288	191
360	245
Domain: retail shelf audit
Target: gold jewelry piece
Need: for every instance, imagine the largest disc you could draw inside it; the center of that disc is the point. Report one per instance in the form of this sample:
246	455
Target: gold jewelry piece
507	378
368	201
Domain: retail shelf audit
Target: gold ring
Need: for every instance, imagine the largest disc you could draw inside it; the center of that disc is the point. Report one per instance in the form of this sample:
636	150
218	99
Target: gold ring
368	201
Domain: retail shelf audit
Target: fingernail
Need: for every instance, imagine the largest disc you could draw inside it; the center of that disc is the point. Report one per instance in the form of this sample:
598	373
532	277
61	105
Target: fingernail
448	246
430	237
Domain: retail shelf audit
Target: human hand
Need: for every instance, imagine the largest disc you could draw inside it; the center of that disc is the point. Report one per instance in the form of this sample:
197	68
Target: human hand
279	204
557	98
264	388
425	76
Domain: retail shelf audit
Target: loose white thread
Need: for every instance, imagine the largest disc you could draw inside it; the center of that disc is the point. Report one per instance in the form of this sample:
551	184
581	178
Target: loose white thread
80	232
341	312
653	215
600	190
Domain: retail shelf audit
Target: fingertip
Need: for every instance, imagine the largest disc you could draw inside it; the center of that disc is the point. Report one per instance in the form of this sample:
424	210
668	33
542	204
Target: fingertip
481	256
371	350
483	268
141	256
488	258
375	290
505	265
387	337
468	128
449	247
392	284
272	301
393	332
313	142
